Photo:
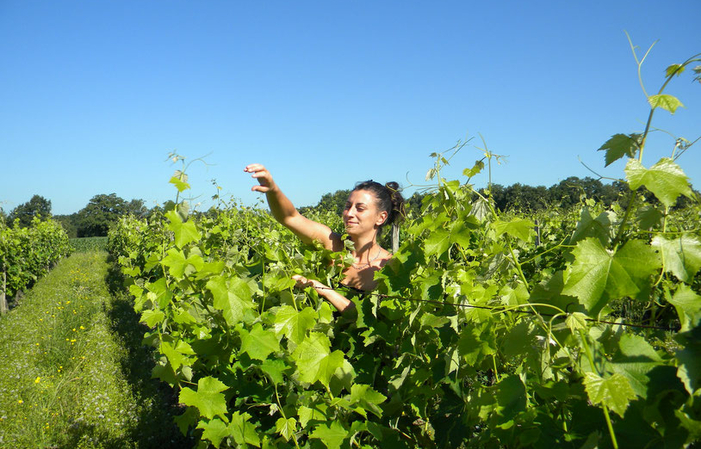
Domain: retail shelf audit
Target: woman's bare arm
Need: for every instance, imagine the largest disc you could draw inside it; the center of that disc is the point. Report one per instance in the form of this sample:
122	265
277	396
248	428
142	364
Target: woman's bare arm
284	211
340	302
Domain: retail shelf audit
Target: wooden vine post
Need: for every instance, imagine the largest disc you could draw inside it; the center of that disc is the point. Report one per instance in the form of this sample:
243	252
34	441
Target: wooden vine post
3	299
395	237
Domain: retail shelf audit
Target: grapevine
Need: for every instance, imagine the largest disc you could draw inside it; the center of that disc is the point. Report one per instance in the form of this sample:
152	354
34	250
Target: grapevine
442	353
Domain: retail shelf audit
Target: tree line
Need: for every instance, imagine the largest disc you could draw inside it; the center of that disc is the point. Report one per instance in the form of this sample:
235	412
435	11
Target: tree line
95	219
521	198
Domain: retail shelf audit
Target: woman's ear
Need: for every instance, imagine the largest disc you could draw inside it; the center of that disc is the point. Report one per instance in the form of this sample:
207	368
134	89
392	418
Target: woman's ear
382	218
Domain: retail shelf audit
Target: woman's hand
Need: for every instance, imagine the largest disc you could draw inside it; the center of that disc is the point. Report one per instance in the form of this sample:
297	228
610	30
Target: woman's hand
340	302
265	179
303	282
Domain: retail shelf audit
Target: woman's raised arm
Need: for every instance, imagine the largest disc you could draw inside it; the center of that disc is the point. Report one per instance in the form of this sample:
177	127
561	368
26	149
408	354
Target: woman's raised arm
284	211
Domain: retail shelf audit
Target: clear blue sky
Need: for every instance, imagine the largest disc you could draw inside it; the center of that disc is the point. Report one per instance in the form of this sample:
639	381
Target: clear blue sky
95	94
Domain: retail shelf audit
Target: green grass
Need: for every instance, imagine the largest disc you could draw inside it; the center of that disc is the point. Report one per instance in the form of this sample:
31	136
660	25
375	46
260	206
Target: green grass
74	373
83	244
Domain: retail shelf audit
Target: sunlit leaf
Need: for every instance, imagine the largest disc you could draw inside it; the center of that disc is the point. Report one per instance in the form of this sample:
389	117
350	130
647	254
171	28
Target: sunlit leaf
520	228
332	436
185	232
614	392
674	70
315	361
242	430
232	299
682	255
667	102
179	180
598	275
293	324
208	398
259	342
215	430
286	427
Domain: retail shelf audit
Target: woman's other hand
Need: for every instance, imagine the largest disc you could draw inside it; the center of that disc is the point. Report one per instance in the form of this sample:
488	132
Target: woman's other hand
265	179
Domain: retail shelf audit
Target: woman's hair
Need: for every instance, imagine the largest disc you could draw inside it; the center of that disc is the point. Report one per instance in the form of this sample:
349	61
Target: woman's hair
388	199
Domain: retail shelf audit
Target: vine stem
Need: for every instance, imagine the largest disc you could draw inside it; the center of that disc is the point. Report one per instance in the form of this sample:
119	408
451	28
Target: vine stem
282	412
610	426
590	356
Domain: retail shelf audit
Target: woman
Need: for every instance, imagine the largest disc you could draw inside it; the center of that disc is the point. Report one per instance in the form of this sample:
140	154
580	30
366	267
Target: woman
369	208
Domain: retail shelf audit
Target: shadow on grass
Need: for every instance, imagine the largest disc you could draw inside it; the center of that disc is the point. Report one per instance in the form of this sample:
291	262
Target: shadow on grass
158	401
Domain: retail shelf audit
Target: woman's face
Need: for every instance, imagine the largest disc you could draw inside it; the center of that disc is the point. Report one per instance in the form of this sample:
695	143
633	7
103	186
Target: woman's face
361	214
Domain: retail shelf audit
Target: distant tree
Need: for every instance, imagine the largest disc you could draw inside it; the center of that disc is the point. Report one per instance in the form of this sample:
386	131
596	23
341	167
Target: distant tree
497	193
334	202
136	207
69	223
413	204
38	206
101	211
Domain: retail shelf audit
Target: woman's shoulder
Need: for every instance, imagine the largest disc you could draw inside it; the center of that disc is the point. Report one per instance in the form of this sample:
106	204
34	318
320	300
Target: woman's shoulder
384	257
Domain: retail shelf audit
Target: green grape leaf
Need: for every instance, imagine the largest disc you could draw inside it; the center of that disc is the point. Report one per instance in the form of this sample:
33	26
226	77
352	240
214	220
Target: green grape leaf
476	169
688	305
179	180
689	359
474	345
175	358
619	146
162	295
152	317
184	232
649	217
634	359
665	179
576	321
674	69
307	414
343	377
175	261
667	102
588	226
519	228
437	242
208	398
294	324
208	269
286	427
215	430
367	398
332	436
259	343
232	300
274	369
243	431
461	233
682	256
315	361
504	400
614	392
597	275
187	419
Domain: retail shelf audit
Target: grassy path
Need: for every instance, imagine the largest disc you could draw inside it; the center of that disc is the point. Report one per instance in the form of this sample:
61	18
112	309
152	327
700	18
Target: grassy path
74	373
